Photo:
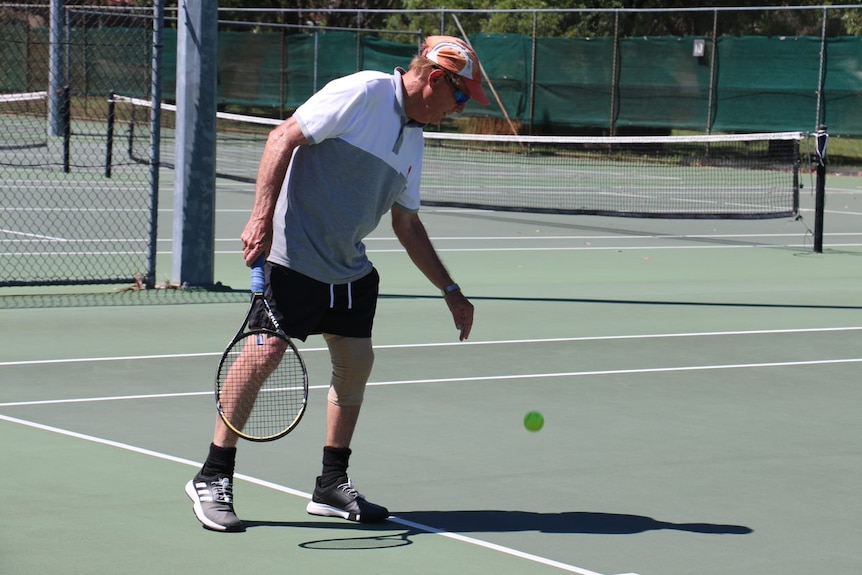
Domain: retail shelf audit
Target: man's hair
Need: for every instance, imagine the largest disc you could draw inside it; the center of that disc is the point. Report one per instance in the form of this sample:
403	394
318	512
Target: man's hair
421	64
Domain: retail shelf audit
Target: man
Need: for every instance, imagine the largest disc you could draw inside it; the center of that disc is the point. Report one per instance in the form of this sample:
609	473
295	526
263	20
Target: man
327	176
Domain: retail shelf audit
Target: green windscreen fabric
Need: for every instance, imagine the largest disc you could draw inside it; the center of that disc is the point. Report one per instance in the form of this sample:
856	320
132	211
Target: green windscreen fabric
111	59
767	84
506	59
275	70
661	85
842	112
249	68
547	85
13	58
574	78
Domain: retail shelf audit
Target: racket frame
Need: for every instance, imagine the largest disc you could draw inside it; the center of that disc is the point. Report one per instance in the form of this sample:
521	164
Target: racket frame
243	334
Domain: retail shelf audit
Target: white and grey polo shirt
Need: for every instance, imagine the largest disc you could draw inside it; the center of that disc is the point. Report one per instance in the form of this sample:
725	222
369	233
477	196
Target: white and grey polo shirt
364	155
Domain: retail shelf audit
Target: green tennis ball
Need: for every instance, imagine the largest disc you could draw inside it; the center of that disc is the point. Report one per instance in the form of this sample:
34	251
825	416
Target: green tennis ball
534	421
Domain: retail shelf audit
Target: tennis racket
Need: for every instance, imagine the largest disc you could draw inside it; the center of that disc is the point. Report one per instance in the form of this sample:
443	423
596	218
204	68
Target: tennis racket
262	383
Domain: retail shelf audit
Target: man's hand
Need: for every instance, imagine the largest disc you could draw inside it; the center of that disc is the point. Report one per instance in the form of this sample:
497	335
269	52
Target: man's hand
256	240
462	312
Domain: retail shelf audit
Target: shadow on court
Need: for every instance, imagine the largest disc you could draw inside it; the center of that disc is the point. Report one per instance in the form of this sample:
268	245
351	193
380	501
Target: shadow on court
490	521
496	521
368	536
388	536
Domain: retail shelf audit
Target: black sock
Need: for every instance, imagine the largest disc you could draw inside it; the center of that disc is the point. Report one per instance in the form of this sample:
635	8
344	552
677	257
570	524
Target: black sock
220	461
335	461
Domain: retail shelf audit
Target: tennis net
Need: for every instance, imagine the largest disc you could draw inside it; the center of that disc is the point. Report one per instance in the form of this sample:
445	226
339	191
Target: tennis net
239	139
23	127
738	176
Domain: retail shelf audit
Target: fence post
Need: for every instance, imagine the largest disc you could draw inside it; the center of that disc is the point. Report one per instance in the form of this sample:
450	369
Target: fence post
66	121
109	136
534	60
194	175
55	78
822	73
614	75
710	112
156	137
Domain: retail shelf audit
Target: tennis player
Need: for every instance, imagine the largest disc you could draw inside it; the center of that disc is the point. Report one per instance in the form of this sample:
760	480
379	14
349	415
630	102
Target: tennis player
328	174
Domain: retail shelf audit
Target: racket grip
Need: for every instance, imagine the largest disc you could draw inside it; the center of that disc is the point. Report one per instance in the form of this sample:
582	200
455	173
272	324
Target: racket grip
257	276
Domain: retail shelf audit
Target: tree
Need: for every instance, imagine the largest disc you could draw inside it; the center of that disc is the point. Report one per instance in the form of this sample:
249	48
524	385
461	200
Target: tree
603	17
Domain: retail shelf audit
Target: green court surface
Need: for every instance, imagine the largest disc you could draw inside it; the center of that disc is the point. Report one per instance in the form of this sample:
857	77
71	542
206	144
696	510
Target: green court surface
698	379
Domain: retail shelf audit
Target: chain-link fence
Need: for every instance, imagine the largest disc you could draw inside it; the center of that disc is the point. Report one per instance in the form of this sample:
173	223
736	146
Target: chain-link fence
68	214
79	207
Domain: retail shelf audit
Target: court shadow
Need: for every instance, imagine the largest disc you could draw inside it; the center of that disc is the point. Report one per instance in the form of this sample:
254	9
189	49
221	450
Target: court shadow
491	521
334	524
353	536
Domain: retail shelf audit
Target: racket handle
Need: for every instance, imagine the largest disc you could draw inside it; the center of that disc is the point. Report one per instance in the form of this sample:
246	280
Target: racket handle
257	276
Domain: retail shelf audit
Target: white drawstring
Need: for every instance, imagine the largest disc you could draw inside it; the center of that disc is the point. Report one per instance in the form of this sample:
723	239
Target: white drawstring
349	296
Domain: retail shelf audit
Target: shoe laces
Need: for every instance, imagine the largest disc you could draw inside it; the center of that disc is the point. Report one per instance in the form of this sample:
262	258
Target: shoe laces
350	490
222	490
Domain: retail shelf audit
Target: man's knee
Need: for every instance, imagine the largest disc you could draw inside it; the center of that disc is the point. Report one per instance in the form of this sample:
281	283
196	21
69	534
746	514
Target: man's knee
352	359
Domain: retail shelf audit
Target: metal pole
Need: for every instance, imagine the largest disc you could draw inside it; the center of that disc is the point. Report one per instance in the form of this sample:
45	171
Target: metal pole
820	79
283	70
109	139
66	118
316	55
710	116
55	77
193	258
534	60
155	139
614	73
358	41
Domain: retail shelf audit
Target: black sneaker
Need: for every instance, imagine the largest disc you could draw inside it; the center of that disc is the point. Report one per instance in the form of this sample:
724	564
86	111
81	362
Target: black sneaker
213	502
342	500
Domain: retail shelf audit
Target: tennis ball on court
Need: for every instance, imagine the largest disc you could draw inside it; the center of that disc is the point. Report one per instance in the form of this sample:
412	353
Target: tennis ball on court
534	421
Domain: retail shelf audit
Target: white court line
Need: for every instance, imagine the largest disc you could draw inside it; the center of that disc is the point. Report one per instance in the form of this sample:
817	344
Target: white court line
505	377
28	235
459	343
303	495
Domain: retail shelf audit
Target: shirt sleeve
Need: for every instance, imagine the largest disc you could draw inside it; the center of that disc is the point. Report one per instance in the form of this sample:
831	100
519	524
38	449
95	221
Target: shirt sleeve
332	111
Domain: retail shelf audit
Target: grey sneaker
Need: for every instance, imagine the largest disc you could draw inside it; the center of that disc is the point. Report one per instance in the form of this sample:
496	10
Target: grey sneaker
213	502
342	500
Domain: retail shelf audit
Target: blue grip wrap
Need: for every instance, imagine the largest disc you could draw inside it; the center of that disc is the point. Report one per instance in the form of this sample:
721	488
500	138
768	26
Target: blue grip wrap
257	277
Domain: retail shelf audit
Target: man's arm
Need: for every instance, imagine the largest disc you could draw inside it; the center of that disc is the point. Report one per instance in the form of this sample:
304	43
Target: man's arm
412	235
282	141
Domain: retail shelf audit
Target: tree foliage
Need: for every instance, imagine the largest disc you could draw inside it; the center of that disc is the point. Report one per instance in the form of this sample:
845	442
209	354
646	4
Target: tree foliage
565	18
652	18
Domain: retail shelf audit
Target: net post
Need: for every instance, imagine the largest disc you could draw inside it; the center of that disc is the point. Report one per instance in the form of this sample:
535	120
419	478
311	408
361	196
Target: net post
66	113
820	188
130	138
109	139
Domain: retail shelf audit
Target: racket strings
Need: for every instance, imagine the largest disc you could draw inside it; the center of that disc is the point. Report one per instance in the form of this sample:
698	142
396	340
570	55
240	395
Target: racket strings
261	391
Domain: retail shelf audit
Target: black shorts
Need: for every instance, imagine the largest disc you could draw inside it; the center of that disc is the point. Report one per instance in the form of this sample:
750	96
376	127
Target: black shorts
304	306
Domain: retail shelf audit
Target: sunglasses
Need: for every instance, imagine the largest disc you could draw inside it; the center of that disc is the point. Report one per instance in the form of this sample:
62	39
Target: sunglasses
460	97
